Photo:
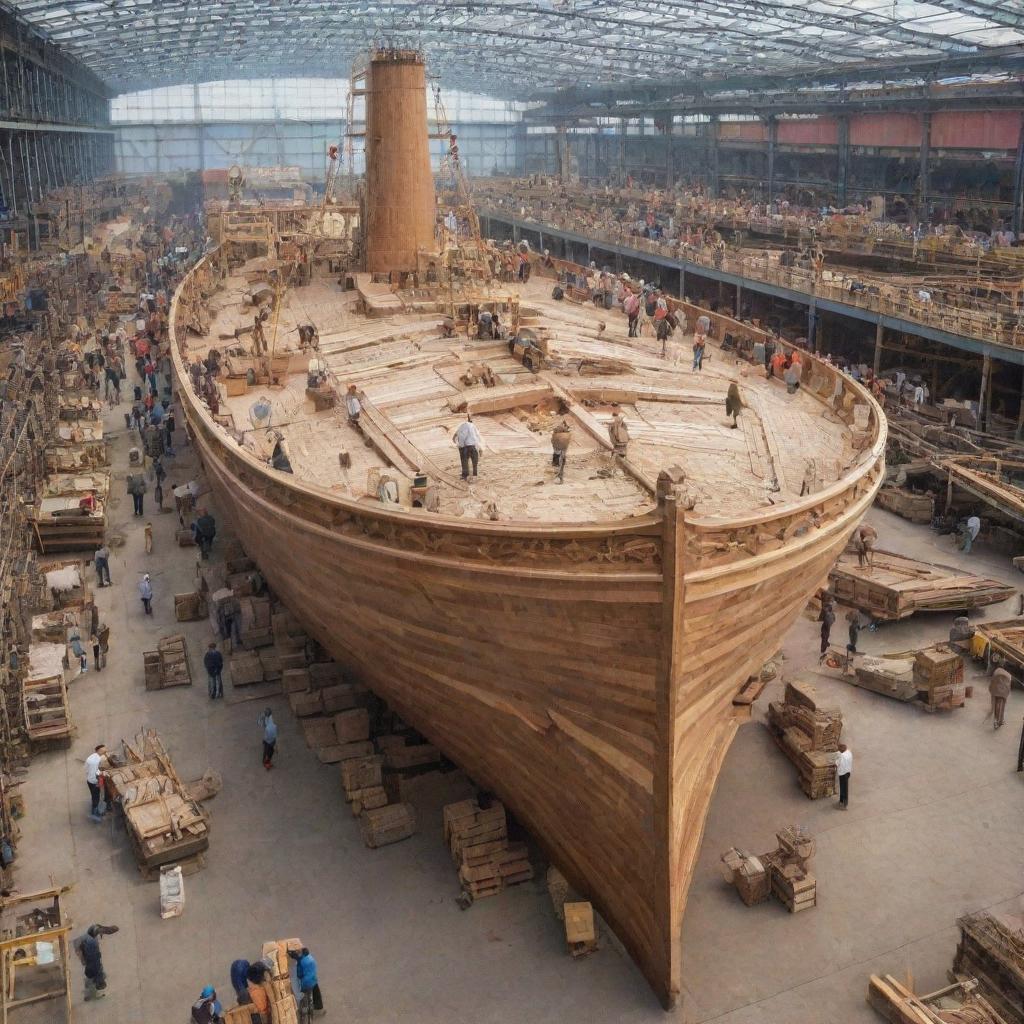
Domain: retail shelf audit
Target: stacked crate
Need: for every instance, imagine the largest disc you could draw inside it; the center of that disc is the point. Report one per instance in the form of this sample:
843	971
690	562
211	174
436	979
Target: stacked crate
478	839
809	736
361	779
939	677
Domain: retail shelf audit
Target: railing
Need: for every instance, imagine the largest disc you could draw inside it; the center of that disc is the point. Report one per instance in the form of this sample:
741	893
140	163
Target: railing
998	324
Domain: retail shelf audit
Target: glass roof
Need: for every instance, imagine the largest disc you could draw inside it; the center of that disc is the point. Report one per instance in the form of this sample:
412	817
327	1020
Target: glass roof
511	48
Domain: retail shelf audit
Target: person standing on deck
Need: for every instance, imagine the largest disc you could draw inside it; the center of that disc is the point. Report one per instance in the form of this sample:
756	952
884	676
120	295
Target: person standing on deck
469	442
618	432
844	766
699	343
92	780
733	403
631	307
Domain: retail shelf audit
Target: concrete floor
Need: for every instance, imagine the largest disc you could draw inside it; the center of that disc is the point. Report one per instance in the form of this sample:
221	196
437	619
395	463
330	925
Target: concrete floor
932	832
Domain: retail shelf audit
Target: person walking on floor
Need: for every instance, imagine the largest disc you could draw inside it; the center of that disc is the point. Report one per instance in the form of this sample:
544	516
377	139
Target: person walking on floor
92	779
699	343
214	662
102	561
305	971
137	489
146	593
269	726
844	766
971	530
468	439
999	690
206	530
87	947
97	653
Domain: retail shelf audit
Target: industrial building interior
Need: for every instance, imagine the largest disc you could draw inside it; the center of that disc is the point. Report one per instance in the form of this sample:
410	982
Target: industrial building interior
476	474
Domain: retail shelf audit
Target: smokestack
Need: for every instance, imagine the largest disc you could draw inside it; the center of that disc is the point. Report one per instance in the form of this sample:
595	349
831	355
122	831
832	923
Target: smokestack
400	203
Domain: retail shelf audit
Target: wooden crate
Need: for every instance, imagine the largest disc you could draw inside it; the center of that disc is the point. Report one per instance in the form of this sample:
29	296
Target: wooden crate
168	665
385	825
794	887
352	726
580	932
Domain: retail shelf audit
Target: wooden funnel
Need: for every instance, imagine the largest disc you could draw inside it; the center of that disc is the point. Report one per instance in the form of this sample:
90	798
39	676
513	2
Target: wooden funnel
400	205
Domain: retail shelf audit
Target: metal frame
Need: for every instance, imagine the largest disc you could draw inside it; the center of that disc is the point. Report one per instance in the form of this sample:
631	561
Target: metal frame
508	47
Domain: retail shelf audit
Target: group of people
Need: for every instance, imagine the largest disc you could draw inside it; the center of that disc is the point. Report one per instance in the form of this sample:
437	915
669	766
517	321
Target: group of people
248	983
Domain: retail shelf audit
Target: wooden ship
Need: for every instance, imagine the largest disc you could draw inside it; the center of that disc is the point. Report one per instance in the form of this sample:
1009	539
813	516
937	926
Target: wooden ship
583	644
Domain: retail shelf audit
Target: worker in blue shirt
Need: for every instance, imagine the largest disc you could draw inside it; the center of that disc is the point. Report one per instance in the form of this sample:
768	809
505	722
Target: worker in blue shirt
305	971
266	720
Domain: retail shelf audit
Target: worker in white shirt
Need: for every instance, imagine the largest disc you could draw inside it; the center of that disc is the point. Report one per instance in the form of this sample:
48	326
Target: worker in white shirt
970	533
844	765
467	437
92	779
919	395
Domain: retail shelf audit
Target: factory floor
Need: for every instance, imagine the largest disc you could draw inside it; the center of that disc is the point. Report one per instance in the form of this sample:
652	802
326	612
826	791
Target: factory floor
933	831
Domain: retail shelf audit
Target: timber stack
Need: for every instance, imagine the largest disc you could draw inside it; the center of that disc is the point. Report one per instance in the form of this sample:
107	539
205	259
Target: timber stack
808	735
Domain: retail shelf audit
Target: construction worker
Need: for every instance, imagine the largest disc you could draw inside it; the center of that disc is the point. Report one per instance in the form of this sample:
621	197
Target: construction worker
733	403
469	443
561	438
87	947
999	690
213	661
305	971
269	726
205	531
206	1009
864	542
352	405
618	432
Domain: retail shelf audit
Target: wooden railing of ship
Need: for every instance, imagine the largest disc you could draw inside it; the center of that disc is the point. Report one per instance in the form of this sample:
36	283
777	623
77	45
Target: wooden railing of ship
604	738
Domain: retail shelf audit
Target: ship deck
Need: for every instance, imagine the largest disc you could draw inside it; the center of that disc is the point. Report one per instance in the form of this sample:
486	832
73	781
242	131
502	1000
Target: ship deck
412	378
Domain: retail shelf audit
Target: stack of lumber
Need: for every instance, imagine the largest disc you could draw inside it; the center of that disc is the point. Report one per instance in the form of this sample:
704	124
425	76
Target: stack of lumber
918	508
165	825
478	839
894	586
59	524
382	826
933	677
168	664
960	1003
808	735
791	880
47	716
362	781
939	677
992	951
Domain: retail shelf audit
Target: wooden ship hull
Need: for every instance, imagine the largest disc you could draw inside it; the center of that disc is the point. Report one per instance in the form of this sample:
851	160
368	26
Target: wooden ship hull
591	675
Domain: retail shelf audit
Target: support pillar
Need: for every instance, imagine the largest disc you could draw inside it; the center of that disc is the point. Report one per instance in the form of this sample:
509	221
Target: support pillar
812	327
739	301
773	139
622	150
843	157
1019	432
712	130
515	233
879	338
1018	183
923	183
682	289
985	391
540	240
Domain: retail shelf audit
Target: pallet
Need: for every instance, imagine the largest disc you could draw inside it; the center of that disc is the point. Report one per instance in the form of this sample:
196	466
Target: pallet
168	665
